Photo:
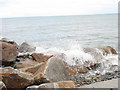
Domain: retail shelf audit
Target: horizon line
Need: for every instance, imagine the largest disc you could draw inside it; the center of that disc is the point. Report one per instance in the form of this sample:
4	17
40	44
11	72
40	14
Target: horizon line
58	15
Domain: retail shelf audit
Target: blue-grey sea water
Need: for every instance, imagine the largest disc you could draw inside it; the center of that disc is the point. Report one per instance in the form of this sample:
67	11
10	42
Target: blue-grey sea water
62	31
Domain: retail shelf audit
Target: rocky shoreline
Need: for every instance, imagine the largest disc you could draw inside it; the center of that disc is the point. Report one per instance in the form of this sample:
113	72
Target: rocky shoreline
23	68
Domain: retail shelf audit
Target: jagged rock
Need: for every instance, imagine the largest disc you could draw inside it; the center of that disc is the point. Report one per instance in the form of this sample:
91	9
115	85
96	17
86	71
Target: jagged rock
94	52
25	47
2	86
39	57
109	50
73	70
8	51
24	63
13	78
60	84
51	70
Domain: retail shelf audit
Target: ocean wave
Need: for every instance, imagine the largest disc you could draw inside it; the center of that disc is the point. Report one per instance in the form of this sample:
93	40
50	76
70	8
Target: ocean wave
76	55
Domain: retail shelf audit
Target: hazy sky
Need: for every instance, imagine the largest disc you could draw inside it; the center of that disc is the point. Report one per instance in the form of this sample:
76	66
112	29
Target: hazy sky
19	8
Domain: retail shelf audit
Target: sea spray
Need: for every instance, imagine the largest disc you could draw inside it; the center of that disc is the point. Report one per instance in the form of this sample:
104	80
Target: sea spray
75	56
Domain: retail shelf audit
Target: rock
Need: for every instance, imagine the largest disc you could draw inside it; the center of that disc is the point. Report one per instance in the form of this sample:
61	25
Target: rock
109	50
66	84
22	55
13	78
24	63
94	52
73	70
8	52
2	86
60	84
52	70
39	57
25	47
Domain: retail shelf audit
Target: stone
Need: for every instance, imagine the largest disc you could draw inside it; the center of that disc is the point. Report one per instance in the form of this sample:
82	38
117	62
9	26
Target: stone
94	52
109	50
2	86
24	63
52	70
39	57
60	84
73	70
25	47
66	84
14	78
8	51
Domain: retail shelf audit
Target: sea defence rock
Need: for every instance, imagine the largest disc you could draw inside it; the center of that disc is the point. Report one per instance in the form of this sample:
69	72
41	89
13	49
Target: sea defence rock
8	51
24	63
60	84
109	50
94	52
2	86
73	70
25	47
39	57
50	71
14	78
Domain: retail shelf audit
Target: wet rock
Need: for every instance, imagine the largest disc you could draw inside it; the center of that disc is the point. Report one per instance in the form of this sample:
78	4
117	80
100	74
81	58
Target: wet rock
23	55
108	76
2	86
60	84
94	66
13	78
52	70
94	52
109	50
8	51
25	47
39	57
73	70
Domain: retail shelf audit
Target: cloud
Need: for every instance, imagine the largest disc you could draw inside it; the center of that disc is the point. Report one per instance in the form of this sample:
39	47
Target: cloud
19	8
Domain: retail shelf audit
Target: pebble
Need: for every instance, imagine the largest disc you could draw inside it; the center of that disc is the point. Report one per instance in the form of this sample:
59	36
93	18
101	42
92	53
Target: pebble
86	79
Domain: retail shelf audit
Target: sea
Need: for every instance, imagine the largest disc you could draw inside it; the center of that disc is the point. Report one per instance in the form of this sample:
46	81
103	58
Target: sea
66	34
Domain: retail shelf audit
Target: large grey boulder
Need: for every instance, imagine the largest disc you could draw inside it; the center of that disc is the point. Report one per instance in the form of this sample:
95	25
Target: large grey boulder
25	47
52	70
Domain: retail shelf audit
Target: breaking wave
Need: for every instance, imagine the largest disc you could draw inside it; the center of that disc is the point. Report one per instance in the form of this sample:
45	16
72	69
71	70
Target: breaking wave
76	55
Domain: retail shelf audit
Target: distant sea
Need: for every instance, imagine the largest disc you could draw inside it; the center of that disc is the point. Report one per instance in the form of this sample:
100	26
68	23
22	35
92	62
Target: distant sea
63	31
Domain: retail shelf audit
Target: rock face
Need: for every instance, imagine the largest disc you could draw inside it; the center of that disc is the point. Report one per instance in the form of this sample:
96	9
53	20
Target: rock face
15	79
73	70
52	70
25	47
8	51
24	63
39	57
2	86
109	50
60	84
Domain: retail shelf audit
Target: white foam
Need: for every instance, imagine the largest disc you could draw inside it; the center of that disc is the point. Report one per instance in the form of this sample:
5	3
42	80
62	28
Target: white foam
75	56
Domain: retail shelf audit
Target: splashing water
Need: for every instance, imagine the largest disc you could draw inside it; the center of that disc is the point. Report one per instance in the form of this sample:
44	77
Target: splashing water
76	56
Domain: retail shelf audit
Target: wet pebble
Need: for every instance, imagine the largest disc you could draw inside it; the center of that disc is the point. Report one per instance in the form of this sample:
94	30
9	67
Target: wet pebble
88	79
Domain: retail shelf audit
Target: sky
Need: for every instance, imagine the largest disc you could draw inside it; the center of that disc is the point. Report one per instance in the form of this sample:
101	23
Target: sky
27	8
